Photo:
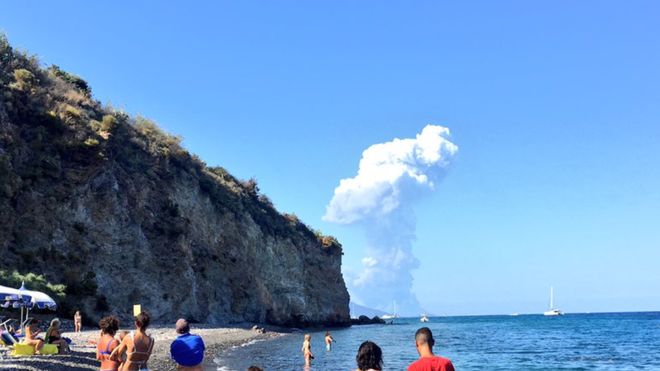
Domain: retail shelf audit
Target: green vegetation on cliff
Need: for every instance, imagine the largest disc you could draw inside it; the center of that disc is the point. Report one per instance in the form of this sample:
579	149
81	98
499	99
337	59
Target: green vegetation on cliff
32	282
76	176
51	102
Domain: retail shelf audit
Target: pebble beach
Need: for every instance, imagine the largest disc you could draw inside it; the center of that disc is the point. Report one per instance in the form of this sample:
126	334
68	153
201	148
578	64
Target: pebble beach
83	351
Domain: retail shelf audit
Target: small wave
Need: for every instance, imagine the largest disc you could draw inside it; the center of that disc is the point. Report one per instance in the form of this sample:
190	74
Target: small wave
251	342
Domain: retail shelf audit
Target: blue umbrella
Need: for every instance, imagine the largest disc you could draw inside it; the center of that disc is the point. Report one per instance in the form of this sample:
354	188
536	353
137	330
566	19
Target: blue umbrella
29	299
10	297
37	299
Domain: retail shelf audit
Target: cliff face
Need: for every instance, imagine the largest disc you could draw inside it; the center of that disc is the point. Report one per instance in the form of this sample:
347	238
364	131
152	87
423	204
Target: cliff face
121	214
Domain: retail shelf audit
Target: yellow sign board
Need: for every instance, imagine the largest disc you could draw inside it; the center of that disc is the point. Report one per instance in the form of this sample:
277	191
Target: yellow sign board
137	309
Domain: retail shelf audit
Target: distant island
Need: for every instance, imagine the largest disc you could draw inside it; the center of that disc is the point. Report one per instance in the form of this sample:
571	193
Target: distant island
104	210
360	310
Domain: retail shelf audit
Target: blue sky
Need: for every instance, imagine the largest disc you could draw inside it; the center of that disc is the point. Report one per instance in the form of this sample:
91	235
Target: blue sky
554	106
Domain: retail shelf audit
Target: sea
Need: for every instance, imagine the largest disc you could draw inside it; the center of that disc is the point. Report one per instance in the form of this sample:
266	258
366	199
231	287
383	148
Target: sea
597	341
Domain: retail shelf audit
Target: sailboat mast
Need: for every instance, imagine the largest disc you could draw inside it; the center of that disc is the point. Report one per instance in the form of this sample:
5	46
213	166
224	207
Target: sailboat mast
552	297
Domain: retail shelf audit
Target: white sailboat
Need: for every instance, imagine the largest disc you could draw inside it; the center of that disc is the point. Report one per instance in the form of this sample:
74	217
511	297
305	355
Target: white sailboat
394	313
424	318
552	311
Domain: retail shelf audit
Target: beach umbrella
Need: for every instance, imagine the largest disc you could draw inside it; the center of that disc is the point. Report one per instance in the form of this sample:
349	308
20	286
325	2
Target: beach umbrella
29	299
6	292
38	299
11	294
12	298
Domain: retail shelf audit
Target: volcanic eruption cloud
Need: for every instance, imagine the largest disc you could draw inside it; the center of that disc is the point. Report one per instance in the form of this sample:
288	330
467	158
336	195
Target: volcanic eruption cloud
391	177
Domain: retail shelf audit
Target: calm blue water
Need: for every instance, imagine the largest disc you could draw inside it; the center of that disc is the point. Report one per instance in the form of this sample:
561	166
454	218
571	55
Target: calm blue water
614	341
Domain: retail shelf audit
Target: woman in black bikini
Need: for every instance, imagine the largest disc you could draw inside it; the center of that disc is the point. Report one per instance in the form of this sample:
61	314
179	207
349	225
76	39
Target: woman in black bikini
53	336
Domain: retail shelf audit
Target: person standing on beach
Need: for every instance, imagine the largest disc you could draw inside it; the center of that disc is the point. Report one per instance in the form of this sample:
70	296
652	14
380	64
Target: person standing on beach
187	350
427	360
77	322
137	345
328	341
107	343
307	350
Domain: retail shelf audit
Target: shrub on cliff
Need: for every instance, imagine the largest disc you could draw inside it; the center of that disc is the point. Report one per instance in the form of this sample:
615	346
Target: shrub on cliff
156	141
108	123
24	80
251	186
72	79
32	282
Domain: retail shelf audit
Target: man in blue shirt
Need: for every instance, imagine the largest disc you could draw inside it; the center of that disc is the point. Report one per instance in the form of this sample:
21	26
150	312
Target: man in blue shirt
187	350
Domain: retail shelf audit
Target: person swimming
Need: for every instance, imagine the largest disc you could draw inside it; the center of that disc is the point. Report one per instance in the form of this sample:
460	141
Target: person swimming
328	341
307	350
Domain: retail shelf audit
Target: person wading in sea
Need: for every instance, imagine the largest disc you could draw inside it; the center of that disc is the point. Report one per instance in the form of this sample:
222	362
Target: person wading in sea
328	341
307	350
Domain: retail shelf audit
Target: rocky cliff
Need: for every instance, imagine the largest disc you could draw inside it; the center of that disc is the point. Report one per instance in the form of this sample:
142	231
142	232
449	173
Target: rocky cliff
120	213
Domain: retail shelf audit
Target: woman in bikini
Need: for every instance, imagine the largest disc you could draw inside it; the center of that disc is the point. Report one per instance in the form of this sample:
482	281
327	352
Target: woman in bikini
107	343
31	332
137	345
77	322
307	350
54	336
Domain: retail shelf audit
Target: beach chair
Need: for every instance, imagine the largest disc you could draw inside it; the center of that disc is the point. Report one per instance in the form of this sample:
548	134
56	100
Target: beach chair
7	338
6	323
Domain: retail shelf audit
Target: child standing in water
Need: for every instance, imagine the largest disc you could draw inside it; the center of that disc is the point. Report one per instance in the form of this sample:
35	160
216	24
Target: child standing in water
307	350
328	341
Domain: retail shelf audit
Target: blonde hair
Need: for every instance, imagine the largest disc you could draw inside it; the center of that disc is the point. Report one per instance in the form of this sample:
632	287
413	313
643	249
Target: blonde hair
55	322
308	337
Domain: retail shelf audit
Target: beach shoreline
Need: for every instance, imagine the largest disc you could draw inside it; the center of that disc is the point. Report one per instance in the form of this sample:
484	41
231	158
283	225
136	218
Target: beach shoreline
83	355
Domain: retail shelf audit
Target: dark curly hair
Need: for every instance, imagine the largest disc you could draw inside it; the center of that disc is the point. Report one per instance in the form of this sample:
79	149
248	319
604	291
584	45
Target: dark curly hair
369	356
109	325
142	320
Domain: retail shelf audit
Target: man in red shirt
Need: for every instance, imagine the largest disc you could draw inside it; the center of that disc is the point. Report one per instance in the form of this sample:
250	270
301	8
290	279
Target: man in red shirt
427	360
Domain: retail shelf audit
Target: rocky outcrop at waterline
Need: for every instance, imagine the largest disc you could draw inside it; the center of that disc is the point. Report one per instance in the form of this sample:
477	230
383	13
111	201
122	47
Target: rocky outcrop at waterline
116	210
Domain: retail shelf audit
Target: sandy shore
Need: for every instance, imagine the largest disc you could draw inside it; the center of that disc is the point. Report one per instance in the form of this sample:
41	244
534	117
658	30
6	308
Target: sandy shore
83	355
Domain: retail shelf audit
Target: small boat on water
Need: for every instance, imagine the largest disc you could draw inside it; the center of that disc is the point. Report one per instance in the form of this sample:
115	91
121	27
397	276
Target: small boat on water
391	316
424	318
552	311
